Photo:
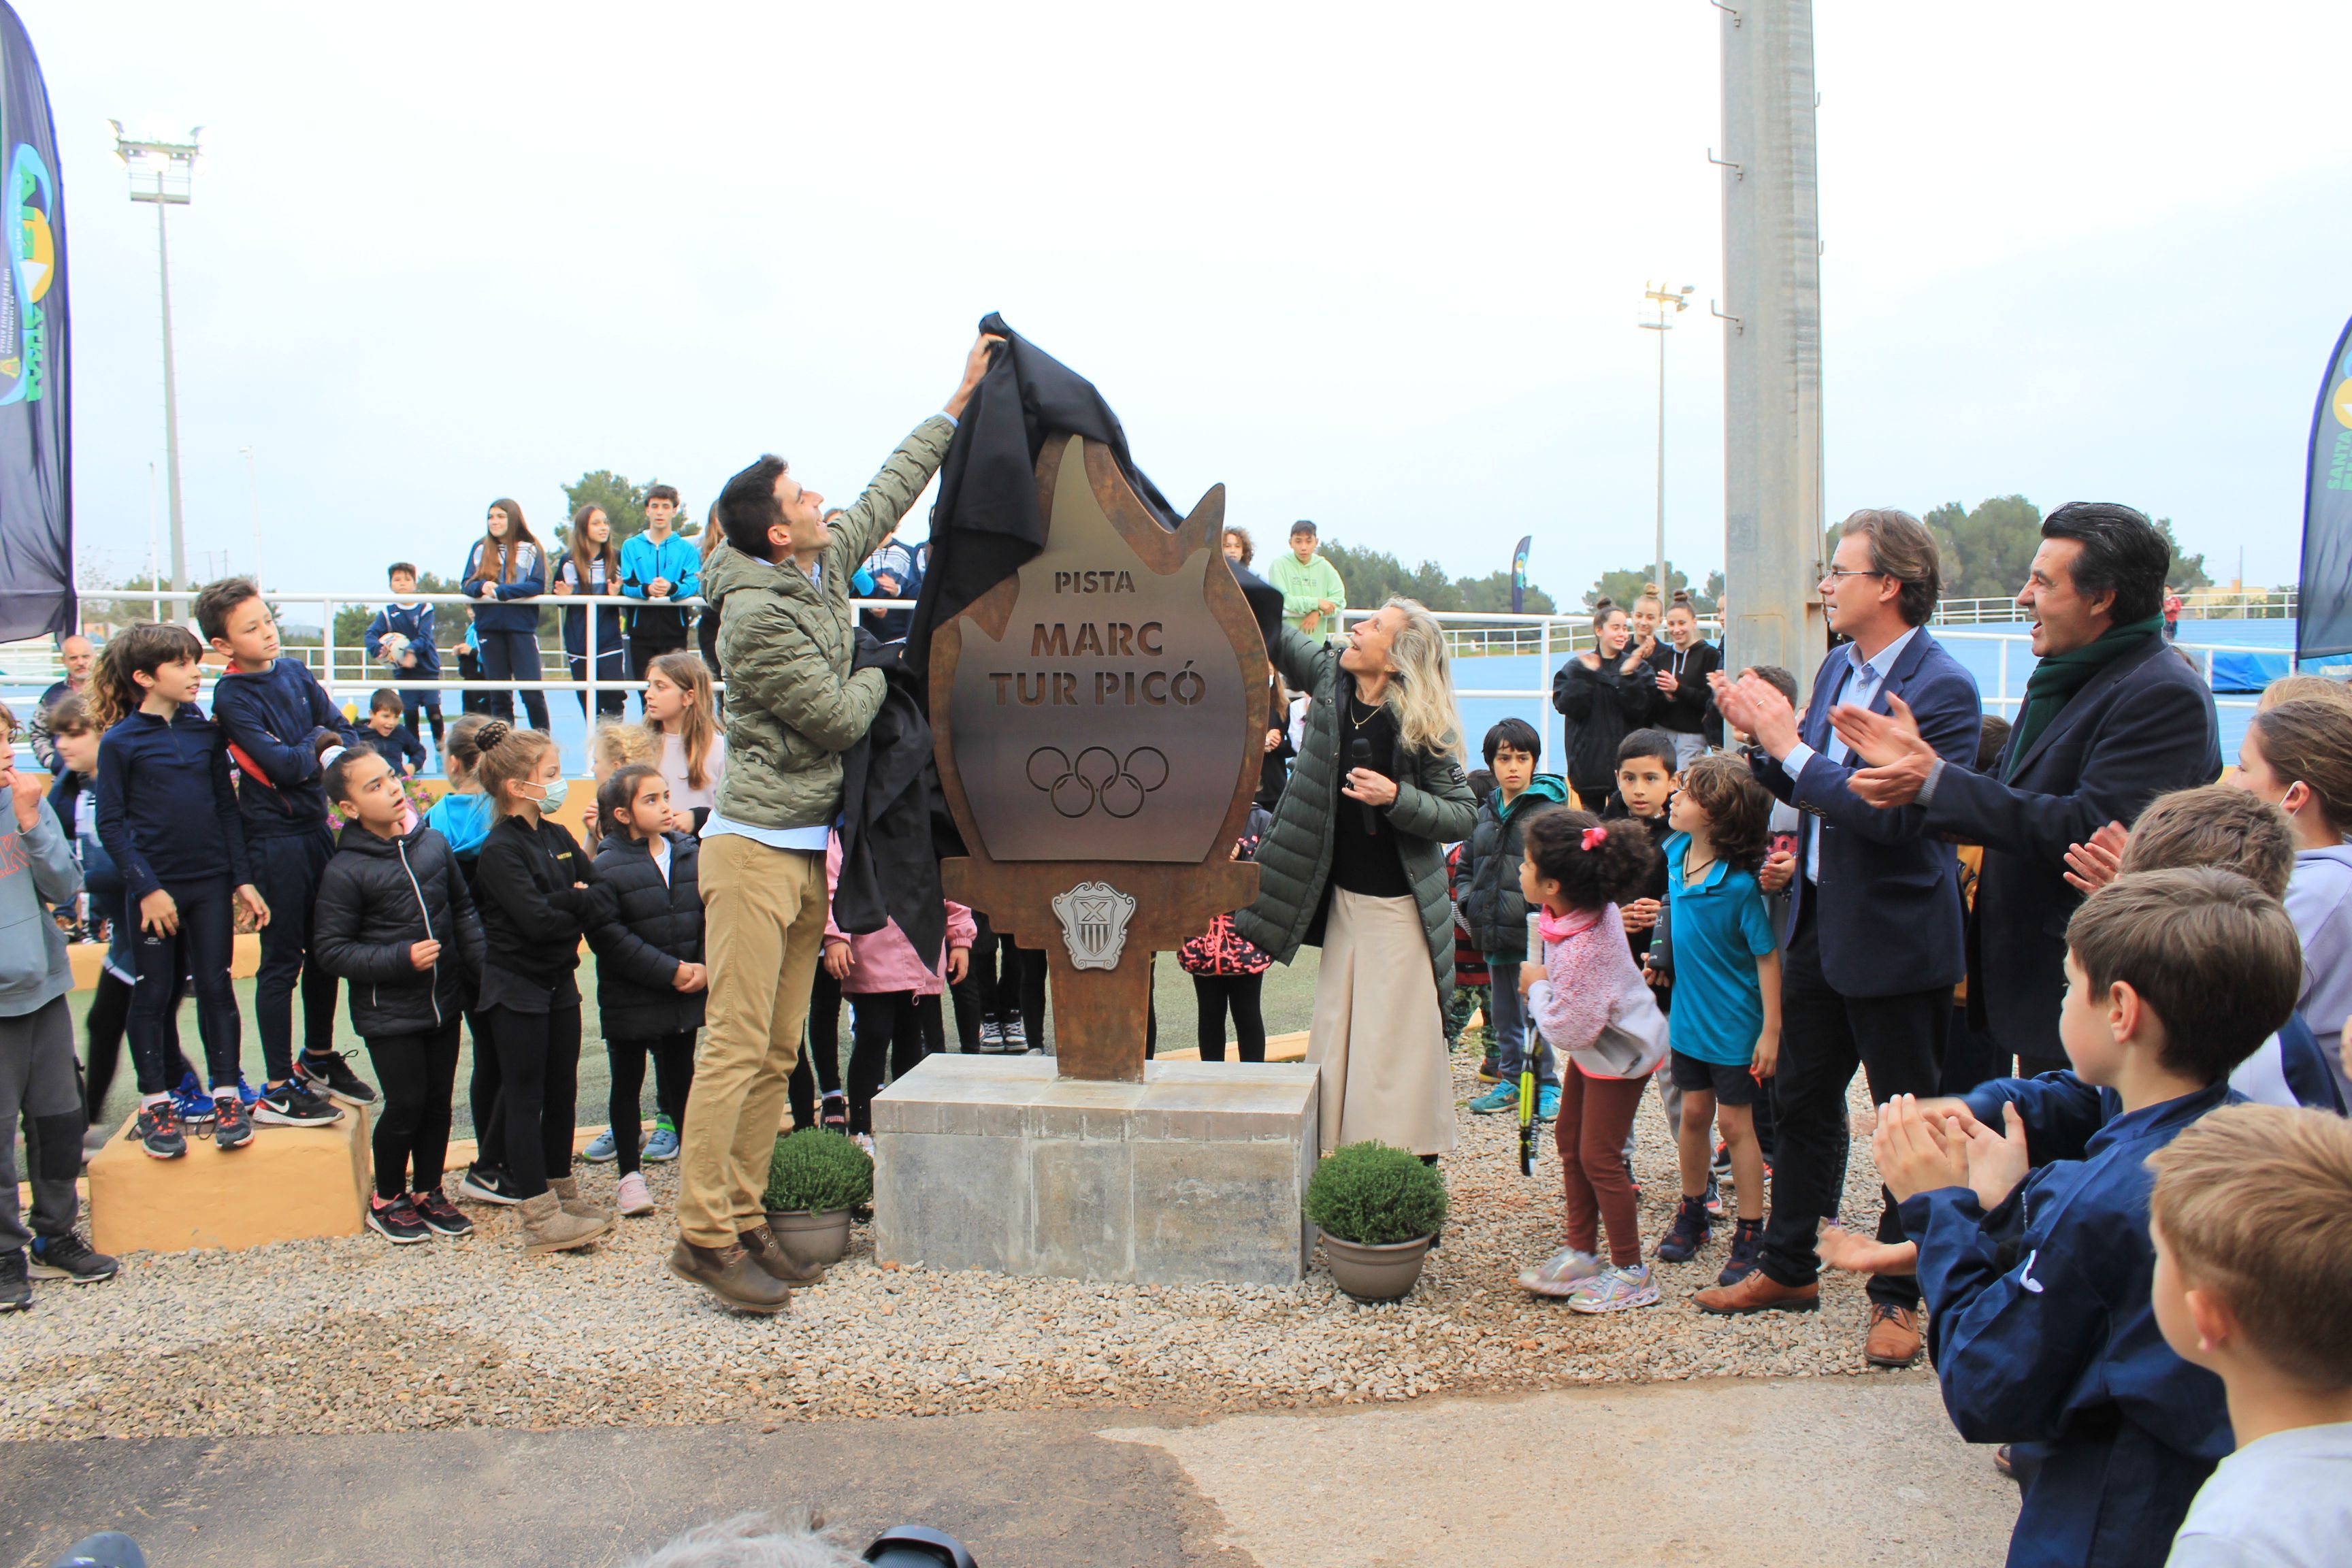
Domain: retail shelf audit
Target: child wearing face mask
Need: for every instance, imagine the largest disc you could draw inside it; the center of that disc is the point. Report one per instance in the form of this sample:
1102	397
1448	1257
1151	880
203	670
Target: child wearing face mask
537	895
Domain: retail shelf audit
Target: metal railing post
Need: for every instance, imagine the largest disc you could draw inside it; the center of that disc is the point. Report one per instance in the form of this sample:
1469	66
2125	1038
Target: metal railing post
326	642
1543	680
2004	698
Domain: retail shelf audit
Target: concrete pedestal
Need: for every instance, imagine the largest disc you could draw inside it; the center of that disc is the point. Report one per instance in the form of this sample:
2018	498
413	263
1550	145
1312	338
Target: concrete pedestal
1197	1174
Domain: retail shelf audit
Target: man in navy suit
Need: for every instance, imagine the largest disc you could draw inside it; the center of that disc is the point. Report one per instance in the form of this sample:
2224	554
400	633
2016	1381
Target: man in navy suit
1872	939
2113	717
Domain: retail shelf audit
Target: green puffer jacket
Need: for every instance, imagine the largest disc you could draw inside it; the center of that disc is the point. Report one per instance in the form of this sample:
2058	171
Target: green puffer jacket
1434	807
784	639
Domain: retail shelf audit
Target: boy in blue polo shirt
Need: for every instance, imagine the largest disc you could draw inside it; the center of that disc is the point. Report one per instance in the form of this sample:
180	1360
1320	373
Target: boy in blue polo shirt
1726	1024
2029	1199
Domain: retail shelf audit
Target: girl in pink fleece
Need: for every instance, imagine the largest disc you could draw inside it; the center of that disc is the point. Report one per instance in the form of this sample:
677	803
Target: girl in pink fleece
893	996
1598	1014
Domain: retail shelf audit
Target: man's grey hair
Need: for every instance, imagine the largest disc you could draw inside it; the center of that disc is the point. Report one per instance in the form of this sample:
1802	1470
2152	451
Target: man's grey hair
755	1541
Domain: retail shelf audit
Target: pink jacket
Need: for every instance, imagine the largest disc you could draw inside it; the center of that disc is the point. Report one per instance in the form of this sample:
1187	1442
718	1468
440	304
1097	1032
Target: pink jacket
1594	1005
885	960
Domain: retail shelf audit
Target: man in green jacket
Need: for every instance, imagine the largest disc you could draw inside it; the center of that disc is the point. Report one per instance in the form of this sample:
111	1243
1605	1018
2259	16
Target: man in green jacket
779	586
1312	593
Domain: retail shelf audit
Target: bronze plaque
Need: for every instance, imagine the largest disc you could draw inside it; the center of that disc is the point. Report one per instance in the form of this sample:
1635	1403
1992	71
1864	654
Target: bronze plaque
1101	725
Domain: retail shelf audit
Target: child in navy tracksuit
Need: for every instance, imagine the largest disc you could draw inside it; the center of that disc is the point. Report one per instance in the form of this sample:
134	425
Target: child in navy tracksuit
279	720
384	736
402	635
168	815
2038	1285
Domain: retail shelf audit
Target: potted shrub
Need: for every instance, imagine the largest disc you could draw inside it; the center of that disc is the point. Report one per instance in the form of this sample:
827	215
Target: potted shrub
1379	1209
815	1179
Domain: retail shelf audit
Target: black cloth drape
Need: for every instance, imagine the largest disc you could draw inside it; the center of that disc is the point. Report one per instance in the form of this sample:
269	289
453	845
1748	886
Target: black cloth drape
985	523
889	870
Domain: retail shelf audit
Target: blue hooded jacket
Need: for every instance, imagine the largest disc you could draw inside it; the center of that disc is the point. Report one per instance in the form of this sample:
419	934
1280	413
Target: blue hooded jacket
2059	1354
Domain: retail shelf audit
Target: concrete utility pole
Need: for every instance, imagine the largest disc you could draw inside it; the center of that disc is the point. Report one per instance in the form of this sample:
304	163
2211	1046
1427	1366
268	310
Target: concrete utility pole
1772	337
1669	302
159	175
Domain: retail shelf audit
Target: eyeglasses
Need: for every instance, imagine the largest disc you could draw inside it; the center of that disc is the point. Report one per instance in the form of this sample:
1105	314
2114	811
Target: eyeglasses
1835	572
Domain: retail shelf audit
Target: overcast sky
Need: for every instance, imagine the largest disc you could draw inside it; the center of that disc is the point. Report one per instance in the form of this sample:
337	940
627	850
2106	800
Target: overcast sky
1376	266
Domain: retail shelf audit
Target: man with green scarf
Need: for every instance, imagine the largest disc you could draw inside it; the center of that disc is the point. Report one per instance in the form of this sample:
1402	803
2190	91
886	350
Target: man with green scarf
2113	717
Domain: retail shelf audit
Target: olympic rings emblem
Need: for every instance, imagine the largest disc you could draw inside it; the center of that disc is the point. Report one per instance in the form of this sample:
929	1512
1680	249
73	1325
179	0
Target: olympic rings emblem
1098	778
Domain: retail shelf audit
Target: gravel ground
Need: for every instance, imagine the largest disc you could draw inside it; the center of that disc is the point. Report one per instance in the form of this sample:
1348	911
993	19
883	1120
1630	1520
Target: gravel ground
355	1335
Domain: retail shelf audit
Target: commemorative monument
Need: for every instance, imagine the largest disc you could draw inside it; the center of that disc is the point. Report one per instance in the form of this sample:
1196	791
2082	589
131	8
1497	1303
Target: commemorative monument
1100	718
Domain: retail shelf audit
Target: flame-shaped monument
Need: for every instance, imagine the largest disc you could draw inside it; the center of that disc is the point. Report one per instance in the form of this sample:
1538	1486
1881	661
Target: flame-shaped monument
1100	720
1100	717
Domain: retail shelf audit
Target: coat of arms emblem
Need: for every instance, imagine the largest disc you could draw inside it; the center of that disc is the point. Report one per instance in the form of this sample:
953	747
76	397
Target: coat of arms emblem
1094	917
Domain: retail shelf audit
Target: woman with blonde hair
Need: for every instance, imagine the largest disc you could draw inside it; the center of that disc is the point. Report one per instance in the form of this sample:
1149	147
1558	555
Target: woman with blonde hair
1356	862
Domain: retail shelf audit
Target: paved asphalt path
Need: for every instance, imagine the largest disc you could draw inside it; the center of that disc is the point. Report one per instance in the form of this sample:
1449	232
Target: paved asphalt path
1800	1472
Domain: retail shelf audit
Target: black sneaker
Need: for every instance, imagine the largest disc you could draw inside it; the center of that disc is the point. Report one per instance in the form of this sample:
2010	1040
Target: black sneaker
397	1220
489	1185
68	1257
1720	1166
291	1104
1688	1234
437	1212
158	1130
16	1290
1714	1198
1747	1242
329	1074
232	1128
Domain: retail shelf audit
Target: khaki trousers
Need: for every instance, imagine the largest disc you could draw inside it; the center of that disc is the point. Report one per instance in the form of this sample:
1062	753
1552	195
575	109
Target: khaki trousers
763	924
1377	1035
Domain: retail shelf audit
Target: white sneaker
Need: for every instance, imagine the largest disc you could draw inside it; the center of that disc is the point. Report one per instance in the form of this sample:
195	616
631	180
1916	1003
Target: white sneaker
630	1197
1616	1290
992	1034
1016	1034
864	1141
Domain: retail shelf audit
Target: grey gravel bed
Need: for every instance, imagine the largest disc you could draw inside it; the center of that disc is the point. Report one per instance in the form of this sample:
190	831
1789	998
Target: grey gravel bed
355	1335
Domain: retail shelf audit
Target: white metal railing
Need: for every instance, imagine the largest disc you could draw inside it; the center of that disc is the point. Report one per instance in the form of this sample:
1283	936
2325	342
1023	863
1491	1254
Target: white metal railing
2202	652
1470	634
2197	604
327	659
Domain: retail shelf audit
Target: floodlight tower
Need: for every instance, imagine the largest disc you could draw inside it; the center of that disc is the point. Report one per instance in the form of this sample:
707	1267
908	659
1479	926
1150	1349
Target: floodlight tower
161	173
1669	302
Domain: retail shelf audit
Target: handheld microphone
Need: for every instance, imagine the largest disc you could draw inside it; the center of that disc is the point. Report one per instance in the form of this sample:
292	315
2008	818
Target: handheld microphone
1360	755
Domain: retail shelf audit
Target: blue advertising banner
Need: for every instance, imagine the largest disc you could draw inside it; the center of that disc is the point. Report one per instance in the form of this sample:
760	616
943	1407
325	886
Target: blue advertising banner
37	581
2324	593
1520	575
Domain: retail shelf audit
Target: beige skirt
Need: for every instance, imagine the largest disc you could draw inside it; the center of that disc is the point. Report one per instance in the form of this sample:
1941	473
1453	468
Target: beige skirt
1377	1035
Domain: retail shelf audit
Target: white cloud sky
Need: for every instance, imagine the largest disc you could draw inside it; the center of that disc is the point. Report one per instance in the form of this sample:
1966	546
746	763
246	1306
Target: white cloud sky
1377	266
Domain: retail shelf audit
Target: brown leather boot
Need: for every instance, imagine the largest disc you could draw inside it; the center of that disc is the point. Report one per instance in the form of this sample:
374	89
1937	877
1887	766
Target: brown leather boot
567	1192
730	1273
547	1228
770	1254
1759	1292
1894	1336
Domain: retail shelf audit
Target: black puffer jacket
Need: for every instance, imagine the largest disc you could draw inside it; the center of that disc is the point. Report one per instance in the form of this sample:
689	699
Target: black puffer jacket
659	927
377	899
1487	874
1603	706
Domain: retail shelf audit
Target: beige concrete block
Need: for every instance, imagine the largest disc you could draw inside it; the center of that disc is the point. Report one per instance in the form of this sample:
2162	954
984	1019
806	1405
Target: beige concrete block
288	1184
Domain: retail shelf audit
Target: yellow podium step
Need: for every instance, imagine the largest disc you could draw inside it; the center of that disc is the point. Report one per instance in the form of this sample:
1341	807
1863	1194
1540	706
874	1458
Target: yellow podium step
288	1183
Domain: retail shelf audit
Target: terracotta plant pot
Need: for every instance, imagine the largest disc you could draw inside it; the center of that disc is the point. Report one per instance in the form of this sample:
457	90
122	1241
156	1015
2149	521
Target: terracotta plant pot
1376	1273
818	1237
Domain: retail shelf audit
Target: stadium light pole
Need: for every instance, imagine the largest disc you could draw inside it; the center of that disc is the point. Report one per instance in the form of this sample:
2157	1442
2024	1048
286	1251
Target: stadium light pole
253	486
1669	302
159	175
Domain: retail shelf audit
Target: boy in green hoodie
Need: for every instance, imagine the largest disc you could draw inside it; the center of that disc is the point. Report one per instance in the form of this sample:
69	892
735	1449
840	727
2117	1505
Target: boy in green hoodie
1486	889
1312	593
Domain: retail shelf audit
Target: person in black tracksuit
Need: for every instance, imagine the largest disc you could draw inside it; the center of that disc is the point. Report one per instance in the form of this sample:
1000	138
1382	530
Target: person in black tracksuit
539	896
650	982
394	920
